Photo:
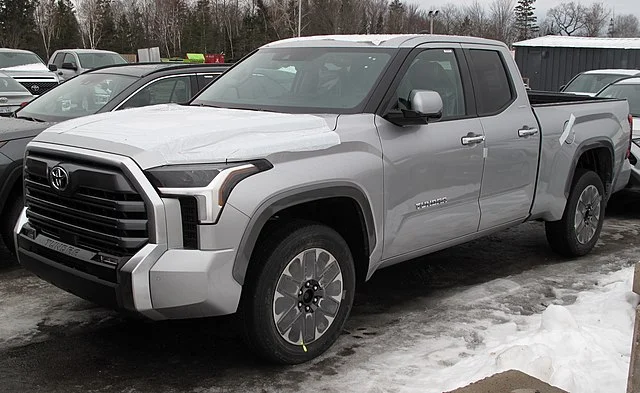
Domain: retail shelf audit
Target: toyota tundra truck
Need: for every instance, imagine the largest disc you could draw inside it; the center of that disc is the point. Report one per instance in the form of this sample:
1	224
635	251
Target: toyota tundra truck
303	170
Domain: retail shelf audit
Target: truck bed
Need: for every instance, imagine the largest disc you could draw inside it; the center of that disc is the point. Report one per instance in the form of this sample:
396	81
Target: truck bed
540	98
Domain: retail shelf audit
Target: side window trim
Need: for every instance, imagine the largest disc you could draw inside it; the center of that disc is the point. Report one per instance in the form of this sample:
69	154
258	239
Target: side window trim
119	106
387	102
512	89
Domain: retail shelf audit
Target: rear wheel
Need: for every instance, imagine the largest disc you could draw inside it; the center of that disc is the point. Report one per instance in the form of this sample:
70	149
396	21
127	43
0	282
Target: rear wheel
299	294
12	211
579	229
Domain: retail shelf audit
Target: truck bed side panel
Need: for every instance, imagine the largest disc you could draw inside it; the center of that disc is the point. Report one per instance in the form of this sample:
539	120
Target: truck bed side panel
596	124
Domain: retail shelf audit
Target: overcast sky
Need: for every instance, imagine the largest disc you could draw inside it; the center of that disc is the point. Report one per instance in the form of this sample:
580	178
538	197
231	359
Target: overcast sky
620	6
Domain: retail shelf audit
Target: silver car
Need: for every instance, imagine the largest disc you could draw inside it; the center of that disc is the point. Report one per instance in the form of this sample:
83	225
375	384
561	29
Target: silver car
12	95
68	63
629	88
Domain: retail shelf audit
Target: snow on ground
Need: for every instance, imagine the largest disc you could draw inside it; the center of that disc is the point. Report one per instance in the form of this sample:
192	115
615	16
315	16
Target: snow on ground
583	347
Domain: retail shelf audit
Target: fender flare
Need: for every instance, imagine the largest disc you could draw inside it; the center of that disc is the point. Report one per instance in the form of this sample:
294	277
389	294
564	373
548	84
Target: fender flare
590	144
291	198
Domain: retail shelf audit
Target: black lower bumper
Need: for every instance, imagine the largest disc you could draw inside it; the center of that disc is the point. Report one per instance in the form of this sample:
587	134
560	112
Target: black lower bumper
79	283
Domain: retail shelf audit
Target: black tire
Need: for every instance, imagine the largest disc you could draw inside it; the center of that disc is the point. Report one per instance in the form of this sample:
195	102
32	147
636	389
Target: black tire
10	215
270	258
562	235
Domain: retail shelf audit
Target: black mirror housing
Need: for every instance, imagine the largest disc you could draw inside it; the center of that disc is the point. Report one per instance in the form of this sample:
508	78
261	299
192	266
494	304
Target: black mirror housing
52	67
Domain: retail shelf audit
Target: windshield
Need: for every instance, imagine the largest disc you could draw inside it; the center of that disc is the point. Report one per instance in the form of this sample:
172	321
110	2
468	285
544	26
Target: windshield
630	91
13	59
80	96
591	83
299	80
10	85
93	60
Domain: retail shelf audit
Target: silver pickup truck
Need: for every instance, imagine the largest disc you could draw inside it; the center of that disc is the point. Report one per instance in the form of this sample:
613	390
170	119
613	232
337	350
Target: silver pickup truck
306	168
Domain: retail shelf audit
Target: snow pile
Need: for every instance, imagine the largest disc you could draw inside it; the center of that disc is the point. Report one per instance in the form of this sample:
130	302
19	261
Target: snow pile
584	347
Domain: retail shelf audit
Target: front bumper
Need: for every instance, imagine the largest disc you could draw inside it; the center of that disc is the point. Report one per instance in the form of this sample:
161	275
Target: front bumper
157	282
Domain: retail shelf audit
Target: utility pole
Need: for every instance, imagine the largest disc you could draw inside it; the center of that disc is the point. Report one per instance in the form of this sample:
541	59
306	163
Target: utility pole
299	17
432	15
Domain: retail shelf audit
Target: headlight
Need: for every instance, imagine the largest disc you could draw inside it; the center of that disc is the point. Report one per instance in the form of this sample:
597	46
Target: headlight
210	184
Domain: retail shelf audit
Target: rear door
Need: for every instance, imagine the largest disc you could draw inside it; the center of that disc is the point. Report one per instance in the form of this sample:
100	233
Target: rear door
512	138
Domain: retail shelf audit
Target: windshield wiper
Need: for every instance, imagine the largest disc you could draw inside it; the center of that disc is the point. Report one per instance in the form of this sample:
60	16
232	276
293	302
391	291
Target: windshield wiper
30	119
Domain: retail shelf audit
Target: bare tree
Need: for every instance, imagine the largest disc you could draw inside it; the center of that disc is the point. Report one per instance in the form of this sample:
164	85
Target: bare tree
502	20
568	18
477	16
595	19
451	19
89	21
45	17
625	26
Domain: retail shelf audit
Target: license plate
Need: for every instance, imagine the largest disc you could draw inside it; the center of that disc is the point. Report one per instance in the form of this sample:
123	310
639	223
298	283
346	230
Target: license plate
64	248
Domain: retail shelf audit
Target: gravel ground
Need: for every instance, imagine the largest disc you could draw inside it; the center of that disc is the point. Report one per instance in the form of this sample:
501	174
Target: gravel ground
53	341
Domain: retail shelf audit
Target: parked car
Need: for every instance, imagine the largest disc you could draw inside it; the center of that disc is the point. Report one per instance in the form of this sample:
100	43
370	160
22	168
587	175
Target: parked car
28	69
629	89
71	62
12	95
304	169
97	91
591	82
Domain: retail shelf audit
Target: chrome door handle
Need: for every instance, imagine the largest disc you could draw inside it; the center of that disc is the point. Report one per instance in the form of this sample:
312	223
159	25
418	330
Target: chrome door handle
472	139
526	131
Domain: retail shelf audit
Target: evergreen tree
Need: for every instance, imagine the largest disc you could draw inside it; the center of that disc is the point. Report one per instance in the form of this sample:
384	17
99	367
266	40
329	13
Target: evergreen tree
17	26
67	35
526	20
396	16
109	41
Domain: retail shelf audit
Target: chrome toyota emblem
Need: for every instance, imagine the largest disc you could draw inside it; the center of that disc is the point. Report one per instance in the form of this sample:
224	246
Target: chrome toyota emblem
59	178
35	88
4	100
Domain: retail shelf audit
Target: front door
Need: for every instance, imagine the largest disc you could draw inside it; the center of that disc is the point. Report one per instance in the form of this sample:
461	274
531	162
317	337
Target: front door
432	172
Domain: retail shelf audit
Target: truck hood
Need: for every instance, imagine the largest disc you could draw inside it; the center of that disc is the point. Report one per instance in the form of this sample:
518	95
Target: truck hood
11	128
176	134
35	67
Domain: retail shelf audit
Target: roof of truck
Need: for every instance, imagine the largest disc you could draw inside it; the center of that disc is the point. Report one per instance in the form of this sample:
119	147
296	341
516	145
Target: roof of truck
143	69
80	50
378	40
619	71
581	42
15	50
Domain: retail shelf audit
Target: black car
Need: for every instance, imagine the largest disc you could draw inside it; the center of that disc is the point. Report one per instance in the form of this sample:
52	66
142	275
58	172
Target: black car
96	91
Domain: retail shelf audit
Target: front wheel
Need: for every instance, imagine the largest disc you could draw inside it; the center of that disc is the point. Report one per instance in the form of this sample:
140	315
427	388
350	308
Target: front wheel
299	292
579	229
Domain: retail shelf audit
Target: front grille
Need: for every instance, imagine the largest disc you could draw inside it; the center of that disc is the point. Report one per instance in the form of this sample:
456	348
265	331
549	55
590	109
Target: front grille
99	211
37	88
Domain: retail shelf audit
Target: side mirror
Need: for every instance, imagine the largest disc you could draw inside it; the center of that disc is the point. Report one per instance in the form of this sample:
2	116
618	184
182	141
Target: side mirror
424	105
53	67
69	66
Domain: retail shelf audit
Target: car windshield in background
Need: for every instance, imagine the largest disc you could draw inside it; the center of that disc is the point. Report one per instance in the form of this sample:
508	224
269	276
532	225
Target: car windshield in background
14	59
94	60
81	96
591	83
299	80
629	91
10	85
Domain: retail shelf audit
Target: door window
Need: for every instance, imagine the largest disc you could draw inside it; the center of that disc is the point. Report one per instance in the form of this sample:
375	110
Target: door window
176	90
436	70
491	83
205	79
58	59
69	58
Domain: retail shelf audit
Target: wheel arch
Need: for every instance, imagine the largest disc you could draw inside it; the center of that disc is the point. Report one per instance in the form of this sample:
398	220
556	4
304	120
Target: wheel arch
299	197
600	149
